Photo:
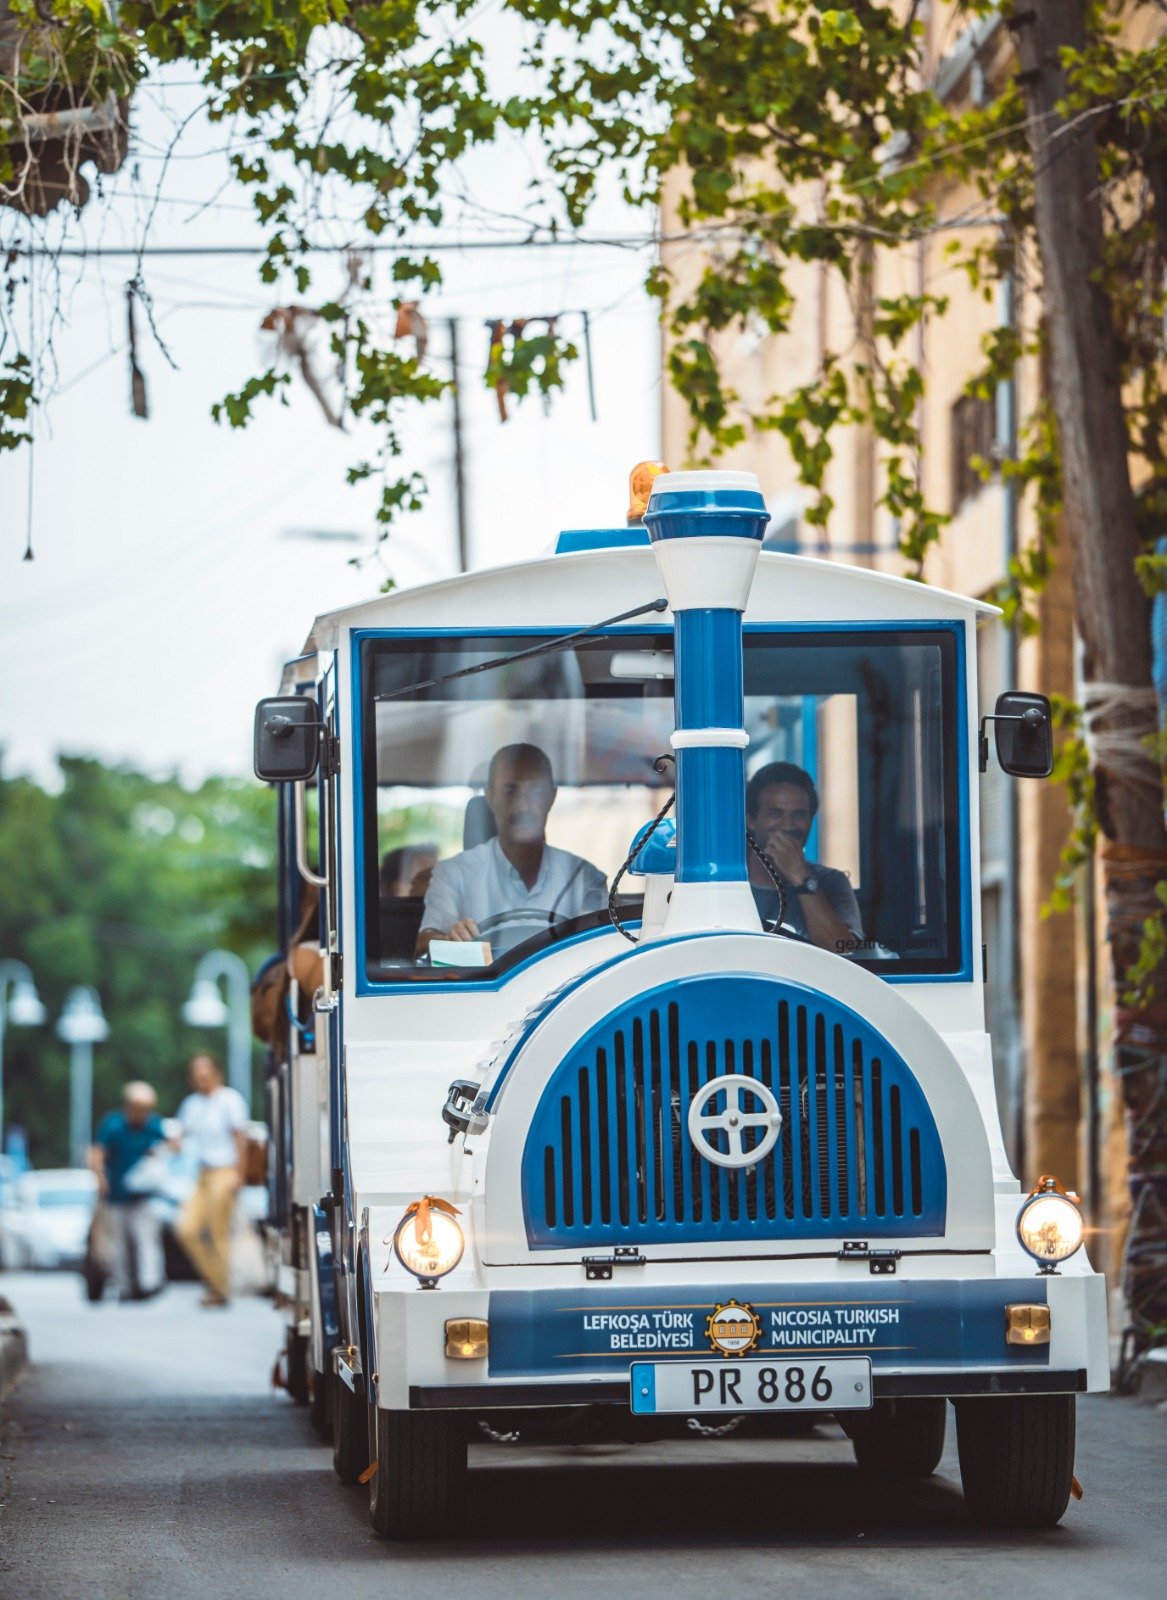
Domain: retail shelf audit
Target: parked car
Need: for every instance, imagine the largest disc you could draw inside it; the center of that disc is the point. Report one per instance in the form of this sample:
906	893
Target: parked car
45	1220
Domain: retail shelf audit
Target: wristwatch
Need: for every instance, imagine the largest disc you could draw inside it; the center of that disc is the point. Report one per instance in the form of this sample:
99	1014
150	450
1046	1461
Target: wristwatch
807	886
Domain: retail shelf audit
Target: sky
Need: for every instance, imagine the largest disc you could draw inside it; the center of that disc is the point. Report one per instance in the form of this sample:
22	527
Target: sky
173	573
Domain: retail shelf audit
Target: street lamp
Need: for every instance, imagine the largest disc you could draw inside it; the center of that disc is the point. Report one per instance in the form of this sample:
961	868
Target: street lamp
206	1009
81	1025
24	1009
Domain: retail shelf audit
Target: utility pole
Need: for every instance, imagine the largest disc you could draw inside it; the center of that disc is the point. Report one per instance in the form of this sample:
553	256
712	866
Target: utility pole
206	1009
20	1004
459	453
81	1025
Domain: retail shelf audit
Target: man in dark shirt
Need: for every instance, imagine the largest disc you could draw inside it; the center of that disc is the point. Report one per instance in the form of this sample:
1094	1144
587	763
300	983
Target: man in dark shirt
124	1138
781	803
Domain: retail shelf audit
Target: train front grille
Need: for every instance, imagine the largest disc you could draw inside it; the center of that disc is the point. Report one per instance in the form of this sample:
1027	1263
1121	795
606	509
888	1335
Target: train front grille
609	1157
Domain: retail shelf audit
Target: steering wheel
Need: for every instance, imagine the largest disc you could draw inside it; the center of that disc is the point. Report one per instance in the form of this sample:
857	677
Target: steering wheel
501	919
542	931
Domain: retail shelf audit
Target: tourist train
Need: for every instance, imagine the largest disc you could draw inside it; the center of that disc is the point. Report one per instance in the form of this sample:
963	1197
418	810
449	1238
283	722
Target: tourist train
634	1073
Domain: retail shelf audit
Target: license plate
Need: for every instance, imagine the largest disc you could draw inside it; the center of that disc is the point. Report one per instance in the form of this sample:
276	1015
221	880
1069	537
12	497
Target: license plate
840	1384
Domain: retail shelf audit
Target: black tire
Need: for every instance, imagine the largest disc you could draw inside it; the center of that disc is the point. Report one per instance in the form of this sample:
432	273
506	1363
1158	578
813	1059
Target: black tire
319	1407
296	1363
350	1433
419	1488
900	1438
1016	1458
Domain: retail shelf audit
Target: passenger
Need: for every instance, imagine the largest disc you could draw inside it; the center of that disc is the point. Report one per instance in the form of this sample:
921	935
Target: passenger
214	1121
516	884
406	871
781	803
125	1140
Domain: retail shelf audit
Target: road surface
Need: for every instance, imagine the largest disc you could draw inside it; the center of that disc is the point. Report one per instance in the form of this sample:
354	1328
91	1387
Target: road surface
147	1457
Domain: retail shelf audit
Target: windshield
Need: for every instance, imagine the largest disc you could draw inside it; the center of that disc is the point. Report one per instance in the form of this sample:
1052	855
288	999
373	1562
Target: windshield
499	807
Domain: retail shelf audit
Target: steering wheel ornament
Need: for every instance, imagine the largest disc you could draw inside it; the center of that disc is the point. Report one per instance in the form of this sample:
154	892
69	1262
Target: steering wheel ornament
706	1125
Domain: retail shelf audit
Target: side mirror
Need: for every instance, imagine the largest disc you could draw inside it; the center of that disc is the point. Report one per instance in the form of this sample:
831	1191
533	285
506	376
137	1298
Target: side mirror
1024	732
287	739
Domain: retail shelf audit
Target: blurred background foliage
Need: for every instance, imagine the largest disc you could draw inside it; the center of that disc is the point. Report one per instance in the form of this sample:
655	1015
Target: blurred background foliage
123	881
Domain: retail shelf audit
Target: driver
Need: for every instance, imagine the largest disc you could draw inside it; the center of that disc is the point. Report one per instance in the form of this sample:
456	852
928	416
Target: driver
516	883
781	802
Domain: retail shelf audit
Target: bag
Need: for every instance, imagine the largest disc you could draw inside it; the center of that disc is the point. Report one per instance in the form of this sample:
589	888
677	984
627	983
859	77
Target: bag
149	1175
249	1269
267	1001
99	1247
254	1161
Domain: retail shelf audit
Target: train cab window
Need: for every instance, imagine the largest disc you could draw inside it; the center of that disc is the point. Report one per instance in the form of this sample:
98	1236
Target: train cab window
870	717
557	751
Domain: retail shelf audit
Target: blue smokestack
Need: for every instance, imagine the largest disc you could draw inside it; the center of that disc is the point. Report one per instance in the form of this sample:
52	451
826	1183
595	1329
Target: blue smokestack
706	529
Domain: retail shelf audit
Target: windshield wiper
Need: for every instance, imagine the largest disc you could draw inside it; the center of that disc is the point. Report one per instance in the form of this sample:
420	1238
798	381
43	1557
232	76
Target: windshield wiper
562	642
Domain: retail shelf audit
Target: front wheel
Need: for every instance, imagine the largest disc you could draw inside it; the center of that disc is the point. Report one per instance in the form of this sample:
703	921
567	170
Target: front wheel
296	1358
900	1438
419	1488
350	1445
319	1407
1016	1458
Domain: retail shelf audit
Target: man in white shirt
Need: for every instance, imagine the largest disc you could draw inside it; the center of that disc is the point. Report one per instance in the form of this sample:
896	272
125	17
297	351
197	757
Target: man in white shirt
214	1121
515	885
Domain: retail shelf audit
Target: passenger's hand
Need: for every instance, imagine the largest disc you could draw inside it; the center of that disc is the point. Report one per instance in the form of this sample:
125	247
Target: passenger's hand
465	929
786	853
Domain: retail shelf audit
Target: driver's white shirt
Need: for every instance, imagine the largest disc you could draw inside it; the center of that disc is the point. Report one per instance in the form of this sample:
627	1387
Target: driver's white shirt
482	884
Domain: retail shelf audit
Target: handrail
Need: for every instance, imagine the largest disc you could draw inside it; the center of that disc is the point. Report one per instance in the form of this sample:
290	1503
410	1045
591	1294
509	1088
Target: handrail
301	826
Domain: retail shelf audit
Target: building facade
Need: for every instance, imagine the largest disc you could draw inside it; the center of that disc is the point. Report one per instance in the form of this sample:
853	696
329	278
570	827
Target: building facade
1049	990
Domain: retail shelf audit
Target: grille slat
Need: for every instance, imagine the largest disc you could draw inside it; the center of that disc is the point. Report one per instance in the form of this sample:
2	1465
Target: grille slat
878	1139
609	1157
605	1126
799	1110
657	1142
828	1067
770	1189
841	1120
623	1187
710	1175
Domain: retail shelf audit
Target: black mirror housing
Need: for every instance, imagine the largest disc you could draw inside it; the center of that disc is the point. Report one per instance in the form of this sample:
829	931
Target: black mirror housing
287	739
1024	730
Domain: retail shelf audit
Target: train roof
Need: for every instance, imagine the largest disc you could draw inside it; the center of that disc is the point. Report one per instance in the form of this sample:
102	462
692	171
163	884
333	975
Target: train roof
576	588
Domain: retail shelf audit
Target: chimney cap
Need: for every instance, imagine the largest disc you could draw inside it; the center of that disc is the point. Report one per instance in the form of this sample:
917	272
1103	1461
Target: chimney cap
704	482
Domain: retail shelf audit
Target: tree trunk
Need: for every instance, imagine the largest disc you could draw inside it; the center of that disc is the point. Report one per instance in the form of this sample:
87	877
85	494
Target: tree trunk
1113	614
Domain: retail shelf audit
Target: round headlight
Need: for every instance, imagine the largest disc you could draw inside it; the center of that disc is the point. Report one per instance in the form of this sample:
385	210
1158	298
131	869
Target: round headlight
1050	1226
428	1242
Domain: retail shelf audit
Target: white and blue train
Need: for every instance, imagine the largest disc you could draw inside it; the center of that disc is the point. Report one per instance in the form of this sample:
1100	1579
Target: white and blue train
620	1111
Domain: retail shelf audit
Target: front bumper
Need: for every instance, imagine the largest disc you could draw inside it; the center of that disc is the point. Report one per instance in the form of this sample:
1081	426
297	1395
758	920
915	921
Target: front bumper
884	1386
575	1346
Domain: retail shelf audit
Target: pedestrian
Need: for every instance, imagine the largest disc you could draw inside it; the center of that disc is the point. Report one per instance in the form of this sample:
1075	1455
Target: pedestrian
125	1140
213	1119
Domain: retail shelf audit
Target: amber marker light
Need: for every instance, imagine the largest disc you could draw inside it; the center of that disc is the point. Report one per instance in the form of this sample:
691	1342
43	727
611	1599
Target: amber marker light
1049	1224
640	481
467	1338
1027	1325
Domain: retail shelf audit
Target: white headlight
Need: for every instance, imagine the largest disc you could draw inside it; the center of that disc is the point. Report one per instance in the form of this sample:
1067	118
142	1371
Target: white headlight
428	1242
1049	1226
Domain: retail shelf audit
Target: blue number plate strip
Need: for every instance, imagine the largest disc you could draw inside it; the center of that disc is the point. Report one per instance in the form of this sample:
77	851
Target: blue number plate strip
898	1323
834	1385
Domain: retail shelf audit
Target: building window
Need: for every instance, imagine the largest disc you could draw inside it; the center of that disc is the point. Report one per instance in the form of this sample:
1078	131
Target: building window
974	433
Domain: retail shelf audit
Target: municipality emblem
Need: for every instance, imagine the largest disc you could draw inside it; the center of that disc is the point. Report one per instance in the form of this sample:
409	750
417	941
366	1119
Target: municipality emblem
733	1329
